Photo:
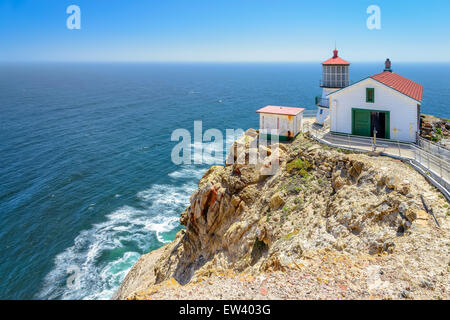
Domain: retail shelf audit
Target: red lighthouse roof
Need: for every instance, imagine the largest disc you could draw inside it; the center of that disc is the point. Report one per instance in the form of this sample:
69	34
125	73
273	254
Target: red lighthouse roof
336	60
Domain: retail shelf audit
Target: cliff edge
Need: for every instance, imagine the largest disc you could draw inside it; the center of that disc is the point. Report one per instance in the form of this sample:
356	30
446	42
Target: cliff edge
328	224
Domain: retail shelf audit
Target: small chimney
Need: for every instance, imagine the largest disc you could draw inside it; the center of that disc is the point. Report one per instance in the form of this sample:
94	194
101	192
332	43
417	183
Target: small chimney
387	65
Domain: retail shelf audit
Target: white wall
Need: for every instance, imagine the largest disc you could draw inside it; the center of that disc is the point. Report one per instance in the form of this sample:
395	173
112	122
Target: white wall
327	91
287	123
299	120
403	110
320	117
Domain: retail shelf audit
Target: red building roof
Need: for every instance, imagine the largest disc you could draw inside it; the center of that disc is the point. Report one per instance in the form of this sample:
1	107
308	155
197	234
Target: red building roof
287	111
336	60
401	84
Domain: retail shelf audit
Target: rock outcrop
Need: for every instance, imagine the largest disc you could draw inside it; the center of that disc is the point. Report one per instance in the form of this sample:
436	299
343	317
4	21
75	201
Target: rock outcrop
298	201
435	129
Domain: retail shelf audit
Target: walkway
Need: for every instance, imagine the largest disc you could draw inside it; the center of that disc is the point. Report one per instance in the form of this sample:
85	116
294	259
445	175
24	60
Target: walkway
435	167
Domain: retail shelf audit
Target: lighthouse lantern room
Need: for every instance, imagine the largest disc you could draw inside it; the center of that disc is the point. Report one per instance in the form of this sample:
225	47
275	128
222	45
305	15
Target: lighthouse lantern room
335	76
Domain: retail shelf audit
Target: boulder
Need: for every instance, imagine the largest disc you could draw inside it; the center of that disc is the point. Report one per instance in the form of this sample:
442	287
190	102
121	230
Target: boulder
276	201
356	169
392	182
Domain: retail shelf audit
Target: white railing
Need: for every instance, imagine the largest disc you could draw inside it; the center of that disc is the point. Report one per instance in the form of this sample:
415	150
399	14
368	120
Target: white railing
435	148
436	166
322	102
310	113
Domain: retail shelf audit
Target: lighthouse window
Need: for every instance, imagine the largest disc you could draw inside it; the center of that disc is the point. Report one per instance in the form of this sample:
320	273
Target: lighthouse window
370	95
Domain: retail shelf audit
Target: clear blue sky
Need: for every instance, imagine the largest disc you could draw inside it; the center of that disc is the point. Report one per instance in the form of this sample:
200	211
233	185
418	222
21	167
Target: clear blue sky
223	30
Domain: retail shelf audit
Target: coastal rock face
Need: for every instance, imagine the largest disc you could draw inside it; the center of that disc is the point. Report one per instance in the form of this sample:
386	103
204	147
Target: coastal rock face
300	202
435	129
219	224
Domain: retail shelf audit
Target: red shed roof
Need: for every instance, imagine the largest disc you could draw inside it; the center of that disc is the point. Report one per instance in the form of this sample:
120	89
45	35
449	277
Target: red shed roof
401	84
287	111
336	60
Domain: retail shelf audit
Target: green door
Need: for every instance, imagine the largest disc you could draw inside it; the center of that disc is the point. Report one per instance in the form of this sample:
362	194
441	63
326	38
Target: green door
361	122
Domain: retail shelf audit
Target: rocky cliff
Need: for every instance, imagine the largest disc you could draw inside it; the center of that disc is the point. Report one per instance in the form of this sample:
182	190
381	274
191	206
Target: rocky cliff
326	224
435	129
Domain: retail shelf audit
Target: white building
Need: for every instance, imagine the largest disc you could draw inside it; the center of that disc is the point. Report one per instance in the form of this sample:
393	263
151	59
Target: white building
386	105
286	121
335	76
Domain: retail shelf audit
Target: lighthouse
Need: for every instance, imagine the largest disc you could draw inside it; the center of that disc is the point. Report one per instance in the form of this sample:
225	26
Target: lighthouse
335	76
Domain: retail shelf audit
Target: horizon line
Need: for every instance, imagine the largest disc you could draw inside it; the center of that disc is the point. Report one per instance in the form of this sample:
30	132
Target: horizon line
206	61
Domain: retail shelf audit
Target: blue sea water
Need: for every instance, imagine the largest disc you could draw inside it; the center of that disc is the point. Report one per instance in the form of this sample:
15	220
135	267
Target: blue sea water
86	178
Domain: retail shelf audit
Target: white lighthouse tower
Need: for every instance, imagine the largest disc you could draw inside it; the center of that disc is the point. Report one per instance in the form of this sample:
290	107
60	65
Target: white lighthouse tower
335	76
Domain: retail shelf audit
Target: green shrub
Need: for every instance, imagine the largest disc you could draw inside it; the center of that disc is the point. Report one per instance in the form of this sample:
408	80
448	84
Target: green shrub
299	165
435	139
290	235
286	210
303	172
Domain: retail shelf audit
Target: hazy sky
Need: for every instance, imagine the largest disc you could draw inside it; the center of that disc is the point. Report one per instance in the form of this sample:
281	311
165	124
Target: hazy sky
223	30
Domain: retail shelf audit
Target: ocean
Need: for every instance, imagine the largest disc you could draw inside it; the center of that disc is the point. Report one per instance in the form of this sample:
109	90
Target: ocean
87	184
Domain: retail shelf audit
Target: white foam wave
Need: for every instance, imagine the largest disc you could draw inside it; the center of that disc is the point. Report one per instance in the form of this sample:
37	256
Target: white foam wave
188	172
105	252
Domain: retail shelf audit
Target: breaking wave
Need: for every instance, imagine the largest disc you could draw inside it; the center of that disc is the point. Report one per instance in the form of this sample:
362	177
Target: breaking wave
101	256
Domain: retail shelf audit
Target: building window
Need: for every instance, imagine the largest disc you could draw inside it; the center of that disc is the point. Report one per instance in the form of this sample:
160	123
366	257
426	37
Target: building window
370	95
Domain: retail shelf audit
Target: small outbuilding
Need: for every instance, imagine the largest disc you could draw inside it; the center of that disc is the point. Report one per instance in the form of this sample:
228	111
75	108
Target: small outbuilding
286	121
